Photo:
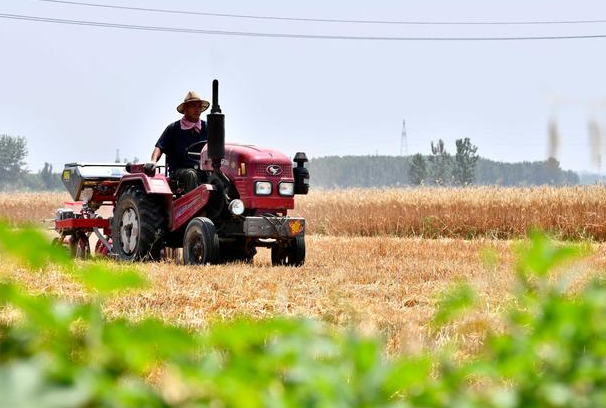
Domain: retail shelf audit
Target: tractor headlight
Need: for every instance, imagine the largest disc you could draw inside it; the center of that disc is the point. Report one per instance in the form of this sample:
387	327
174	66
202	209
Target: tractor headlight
263	188
236	207
287	188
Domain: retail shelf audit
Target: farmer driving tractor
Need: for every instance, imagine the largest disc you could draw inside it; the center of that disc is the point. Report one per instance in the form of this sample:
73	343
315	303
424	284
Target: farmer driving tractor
239	197
178	137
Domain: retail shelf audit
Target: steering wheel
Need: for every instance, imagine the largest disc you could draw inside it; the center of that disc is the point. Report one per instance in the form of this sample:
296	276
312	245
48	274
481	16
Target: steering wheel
198	153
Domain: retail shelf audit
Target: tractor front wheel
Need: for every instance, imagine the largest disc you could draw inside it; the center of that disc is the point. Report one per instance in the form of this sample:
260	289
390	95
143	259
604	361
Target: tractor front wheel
200	242
291	254
138	226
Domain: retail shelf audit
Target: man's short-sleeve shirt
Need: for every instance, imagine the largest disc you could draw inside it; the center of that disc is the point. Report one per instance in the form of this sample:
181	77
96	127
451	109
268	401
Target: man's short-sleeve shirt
174	141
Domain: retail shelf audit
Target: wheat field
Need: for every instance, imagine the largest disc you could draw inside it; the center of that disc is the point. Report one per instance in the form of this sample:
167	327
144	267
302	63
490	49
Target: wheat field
19	208
492	212
472	212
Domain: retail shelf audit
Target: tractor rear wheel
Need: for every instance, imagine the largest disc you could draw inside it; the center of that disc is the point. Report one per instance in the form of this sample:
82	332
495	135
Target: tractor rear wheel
138	226
200	242
291	254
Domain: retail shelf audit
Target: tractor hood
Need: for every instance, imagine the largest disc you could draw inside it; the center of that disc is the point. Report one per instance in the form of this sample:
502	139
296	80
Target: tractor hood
241	160
247	165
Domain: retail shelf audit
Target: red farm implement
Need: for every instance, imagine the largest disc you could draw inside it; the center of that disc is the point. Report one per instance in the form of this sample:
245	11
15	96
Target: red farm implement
241	204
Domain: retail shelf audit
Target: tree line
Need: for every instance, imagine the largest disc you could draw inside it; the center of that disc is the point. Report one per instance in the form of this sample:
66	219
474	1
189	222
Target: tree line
13	169
438	168
14	174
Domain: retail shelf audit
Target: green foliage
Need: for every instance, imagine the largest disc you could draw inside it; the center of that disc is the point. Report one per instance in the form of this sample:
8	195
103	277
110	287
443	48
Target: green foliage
417	174
66	354
441	164
13	169
28	245
539	256
385	171
464	169
359	171
452	303
47	179
13	150
103	280
546	172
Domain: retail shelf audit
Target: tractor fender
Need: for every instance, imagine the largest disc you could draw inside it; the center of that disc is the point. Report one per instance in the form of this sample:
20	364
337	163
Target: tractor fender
152	185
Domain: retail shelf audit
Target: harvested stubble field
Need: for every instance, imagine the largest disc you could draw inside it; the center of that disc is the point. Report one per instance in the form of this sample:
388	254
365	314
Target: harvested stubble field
385	286
369	263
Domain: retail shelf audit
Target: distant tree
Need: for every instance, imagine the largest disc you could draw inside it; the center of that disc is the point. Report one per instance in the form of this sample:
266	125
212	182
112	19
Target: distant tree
417	173
441	163
552	173
464	169
13	150
47	180
46	175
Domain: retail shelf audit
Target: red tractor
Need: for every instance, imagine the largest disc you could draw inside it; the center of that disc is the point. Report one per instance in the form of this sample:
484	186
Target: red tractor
241	205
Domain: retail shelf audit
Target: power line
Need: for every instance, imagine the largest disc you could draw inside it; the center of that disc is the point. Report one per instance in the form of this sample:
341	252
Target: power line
286	35
322	20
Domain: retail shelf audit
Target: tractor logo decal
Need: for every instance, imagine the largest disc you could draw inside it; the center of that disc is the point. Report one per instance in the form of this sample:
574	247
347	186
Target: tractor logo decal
295	227
186	207
274	170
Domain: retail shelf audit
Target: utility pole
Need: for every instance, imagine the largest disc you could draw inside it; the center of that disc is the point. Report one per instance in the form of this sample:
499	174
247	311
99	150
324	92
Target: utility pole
404	140
117	156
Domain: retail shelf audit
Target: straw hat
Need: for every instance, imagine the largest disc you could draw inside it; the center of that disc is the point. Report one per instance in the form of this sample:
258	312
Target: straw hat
192	97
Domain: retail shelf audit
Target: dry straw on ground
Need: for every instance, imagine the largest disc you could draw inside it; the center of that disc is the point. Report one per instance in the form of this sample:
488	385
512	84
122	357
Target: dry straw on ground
386	286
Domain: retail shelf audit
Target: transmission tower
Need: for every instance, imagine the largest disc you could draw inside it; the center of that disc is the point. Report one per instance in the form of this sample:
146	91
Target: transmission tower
404	140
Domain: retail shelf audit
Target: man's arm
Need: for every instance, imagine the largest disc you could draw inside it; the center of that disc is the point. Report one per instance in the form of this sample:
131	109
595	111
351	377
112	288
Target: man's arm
151	166
156	154
161	145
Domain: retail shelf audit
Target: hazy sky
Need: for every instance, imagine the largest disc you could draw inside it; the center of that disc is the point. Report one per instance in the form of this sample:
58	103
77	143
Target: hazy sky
78	93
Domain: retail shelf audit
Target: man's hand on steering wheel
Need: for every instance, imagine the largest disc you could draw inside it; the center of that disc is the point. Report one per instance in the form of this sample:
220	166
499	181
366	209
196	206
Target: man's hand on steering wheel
150	167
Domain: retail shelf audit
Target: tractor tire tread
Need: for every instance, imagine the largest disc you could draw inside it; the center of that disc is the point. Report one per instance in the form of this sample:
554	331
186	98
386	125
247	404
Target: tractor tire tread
152	224
210	241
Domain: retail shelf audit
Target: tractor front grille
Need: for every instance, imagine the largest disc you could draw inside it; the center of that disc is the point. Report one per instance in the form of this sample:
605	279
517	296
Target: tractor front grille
260	170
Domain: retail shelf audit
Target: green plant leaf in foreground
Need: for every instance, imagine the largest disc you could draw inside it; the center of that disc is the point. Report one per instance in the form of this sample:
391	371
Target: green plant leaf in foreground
30	245
551	352
540	255
102	279
452	303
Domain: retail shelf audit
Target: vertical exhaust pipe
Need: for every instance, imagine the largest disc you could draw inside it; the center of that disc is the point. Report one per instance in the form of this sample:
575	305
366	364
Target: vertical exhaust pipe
216	130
